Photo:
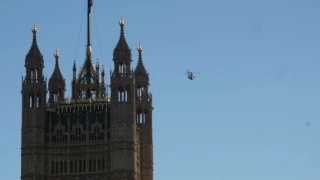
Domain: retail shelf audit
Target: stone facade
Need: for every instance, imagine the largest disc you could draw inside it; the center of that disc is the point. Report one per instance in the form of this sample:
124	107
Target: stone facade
91	135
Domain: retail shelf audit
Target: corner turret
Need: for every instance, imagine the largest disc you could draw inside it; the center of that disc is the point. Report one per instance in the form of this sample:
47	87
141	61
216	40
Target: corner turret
140	72
57	84
123	127
33	92
122	56
34	61
144	117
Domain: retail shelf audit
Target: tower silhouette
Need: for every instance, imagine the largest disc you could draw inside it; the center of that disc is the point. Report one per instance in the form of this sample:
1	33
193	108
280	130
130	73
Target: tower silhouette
92	134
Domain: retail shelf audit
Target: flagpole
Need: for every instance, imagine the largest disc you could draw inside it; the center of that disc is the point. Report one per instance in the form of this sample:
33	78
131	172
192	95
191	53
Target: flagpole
89	51
88	20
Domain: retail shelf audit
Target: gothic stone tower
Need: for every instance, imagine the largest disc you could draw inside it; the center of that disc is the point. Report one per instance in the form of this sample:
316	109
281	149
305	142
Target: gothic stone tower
91	135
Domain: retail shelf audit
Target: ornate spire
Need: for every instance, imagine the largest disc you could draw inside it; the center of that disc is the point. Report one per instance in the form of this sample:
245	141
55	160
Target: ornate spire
34	51
140	69
122	48
87	74
57	82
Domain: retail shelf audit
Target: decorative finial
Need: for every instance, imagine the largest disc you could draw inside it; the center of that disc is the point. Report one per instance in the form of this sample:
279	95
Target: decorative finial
122	22
140	48
34	29
56	54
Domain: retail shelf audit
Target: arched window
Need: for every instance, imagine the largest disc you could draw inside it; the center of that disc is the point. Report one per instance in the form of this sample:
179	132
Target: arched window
126	94
31	99
120	94
32	75
38	100
139	116
122	69
140	92
36	74
55	96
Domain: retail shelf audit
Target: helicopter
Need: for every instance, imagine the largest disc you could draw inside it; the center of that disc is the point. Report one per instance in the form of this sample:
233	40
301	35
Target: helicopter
190	75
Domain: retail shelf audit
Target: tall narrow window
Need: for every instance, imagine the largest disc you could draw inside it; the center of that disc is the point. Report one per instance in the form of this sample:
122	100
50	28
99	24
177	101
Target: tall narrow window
90	165
55	97
80	166
38	100
126	94
61	167
65	167
139	91
32	75
103	165
139	116
122	69
36	75
99	165
31	100
57	169
94	165
71	166
52	168
84	166
75	166
145	115
120	94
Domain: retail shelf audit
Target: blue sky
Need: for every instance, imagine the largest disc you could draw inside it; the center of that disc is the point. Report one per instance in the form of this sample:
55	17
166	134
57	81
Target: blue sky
244	117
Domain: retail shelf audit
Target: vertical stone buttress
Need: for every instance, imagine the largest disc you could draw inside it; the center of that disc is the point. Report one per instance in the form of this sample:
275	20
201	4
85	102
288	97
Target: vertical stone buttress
33	114
123	126
144	118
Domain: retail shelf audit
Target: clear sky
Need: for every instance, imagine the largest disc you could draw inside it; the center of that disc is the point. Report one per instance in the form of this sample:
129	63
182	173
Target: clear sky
251	114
